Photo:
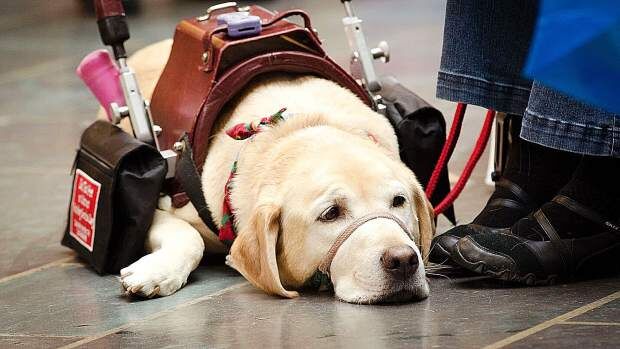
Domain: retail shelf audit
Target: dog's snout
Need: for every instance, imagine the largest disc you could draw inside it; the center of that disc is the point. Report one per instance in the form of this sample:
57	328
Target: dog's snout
400	261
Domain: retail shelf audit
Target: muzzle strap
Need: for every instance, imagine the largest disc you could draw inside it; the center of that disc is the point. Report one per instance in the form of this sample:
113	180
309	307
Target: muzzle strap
329	257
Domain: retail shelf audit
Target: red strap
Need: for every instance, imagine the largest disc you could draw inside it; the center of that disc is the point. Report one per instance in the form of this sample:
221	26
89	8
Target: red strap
447	150
481	144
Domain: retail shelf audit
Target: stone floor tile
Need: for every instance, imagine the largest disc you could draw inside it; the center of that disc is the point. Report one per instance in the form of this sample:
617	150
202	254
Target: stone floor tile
609	312
572	336
71	300
464	312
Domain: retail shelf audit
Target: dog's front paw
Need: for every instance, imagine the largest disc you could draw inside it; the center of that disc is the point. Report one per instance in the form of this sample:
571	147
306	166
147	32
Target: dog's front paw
154	275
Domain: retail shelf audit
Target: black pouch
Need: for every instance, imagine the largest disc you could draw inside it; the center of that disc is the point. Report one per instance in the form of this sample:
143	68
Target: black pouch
116	184
421	132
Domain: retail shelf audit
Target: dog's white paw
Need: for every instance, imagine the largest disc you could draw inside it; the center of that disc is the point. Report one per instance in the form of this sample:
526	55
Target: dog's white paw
229	261
154	275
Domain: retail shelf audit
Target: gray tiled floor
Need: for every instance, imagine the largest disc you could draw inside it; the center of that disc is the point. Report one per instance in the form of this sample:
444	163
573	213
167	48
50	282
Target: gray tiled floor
47	299
581	336
69	301
318	321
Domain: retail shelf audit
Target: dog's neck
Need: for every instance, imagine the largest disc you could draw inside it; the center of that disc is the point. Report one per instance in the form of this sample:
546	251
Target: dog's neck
242	131
254	152
257	152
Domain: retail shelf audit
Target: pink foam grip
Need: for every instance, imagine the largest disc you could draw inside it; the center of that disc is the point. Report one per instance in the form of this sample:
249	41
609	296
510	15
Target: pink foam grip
100	74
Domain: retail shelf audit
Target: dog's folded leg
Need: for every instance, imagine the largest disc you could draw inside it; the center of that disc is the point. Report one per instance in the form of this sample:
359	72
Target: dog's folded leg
175	248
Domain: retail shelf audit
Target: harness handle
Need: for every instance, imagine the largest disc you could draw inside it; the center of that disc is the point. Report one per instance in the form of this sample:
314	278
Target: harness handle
279	17
290	13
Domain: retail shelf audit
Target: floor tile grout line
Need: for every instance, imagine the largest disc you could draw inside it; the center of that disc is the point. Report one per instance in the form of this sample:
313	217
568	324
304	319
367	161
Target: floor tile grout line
542	326
589	323
154	315
36	269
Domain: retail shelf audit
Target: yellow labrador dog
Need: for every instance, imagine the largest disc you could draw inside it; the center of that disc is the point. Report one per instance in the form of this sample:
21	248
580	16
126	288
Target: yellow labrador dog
323	188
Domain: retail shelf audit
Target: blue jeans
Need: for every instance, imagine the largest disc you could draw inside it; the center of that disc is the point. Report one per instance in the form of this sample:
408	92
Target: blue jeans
484	50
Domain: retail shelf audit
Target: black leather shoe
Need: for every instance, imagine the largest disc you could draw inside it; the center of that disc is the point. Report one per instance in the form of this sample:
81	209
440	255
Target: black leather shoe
507	256
517	203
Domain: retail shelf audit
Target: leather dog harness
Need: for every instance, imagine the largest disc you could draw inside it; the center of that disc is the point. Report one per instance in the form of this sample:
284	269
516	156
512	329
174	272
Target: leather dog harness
207	68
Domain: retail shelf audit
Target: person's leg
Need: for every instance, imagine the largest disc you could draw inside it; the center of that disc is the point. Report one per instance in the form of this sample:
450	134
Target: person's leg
533	175
537	171
484	50
575	233
485	46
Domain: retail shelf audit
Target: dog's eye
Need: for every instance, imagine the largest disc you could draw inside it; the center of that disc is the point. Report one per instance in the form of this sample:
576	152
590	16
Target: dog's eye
398	201
330	214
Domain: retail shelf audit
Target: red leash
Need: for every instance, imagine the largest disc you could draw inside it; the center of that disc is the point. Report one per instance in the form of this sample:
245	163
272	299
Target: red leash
447	151
448	148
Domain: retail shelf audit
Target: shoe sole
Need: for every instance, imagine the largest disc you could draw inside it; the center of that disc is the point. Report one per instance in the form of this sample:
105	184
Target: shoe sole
480	267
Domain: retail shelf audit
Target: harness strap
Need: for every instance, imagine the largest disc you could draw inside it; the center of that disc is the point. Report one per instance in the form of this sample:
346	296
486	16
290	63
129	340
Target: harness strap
329	257
187	175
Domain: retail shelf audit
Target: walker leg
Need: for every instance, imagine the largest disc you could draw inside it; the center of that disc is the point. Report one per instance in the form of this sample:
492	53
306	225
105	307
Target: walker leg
488	179
501	141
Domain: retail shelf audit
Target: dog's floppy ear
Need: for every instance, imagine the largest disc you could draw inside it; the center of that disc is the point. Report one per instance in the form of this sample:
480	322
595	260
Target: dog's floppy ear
253	252
426	221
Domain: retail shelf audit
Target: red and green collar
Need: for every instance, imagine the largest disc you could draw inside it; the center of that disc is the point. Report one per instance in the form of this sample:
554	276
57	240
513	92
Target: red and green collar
240	132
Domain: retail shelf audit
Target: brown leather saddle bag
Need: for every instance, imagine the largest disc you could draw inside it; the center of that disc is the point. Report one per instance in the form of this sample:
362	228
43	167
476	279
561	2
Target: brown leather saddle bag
207	68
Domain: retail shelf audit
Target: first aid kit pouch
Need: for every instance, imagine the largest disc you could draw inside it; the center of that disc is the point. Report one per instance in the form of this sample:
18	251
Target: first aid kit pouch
116	184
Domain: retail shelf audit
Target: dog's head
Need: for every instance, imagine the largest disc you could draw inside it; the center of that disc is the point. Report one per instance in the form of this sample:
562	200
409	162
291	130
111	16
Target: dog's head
309	186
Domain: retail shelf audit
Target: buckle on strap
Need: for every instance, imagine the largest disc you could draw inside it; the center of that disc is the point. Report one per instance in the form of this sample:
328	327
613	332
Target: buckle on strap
326	262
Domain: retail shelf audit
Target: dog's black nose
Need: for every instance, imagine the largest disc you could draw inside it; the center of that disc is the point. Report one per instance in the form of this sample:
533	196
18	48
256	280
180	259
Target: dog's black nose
400	261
